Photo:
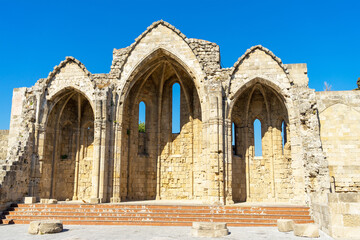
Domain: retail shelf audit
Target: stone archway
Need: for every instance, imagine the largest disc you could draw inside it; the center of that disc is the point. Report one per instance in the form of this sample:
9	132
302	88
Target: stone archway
268	177
68	148
163	166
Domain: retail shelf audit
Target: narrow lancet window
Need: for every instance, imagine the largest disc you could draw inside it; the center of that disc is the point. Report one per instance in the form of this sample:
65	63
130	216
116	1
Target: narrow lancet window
233	138
142	117
257	138
176	108
283	134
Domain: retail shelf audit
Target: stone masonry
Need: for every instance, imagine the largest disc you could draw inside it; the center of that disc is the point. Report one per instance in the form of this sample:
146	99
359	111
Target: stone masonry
75	135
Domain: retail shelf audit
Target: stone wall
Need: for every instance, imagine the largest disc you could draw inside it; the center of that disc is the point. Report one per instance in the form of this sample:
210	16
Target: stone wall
339	114
15	177
339	216
4	135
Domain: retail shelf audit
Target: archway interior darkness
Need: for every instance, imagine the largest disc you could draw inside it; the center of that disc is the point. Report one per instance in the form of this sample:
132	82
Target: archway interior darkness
158	163
261	168
68	148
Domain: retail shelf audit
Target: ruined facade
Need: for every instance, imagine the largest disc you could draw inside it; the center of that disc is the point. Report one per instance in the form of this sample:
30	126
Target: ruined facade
75	135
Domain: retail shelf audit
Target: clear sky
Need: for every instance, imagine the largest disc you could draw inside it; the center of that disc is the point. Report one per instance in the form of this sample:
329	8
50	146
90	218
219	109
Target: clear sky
36	35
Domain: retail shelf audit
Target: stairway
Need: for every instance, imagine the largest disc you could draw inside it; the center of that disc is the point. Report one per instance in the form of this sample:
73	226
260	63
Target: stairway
155	215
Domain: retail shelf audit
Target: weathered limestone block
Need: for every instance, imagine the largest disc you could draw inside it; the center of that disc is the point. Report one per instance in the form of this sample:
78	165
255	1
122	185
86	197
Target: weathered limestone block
52	201
351	220
45	227
209	229
94	200
48	201
29	200
285	225
306	230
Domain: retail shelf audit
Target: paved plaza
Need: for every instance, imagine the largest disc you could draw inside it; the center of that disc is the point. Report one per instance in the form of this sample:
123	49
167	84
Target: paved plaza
76	232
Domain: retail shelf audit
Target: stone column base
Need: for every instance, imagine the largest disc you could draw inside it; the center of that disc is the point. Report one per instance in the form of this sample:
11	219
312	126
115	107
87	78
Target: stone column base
94	200
115	200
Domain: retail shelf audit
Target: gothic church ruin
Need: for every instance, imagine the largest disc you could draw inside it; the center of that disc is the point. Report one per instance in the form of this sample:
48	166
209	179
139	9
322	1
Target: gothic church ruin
75	135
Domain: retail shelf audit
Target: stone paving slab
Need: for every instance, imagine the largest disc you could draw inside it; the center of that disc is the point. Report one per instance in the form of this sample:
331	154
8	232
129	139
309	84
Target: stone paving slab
76	232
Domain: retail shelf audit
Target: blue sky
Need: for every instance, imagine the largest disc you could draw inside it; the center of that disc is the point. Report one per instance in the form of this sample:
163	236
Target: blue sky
36	35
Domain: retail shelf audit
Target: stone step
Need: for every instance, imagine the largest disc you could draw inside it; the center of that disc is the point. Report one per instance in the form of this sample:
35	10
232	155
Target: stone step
173	215
59	205
156	215
81	222
152	219
164	210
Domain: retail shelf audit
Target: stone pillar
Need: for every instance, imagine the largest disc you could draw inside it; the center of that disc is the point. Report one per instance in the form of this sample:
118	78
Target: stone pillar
214	138
34	159
40	157
228	160
103	162
117	165
97	153
54	162
77	159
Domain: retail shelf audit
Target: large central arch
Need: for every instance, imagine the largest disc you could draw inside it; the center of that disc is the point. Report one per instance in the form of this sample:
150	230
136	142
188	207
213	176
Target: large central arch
159	164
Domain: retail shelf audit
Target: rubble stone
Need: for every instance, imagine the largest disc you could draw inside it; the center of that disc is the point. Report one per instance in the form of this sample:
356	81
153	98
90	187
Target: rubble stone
29	200
285	225
45	227
306	230
209	229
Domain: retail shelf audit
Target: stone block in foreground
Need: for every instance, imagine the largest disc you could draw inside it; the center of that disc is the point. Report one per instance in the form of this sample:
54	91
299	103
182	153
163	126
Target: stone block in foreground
209	229
306	230
45	227
29	200
285	225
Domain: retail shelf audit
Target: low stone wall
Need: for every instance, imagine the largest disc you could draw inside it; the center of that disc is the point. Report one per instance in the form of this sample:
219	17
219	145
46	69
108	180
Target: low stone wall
340	217
321	215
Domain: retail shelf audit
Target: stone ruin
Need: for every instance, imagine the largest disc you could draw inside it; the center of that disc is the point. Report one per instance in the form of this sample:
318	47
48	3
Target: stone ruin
74	135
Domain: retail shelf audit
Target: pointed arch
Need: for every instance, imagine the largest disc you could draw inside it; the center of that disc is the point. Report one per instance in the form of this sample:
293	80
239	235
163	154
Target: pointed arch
69	114
279	93
151	80
259	101
265	50
173	33
247	55
160	35
148	64
57	97
63	64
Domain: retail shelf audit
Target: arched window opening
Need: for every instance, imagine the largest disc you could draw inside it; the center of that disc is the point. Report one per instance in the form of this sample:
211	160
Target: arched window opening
142	129
233	138
142	117
283	134
257	138
176	108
